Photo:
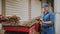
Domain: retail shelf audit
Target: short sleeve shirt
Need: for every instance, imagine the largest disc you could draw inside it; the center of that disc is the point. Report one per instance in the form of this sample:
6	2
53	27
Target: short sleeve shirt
49	16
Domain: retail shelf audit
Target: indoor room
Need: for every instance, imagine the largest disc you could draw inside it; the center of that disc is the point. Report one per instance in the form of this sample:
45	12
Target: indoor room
29	17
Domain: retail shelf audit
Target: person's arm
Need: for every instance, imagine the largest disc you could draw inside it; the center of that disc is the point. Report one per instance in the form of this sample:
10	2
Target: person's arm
48	22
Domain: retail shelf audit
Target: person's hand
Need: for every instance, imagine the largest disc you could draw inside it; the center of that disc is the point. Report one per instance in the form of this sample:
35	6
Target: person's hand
41	22
41	19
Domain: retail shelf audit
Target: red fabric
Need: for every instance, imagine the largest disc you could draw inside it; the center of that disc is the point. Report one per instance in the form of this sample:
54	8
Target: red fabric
23	29
19	29
10	28
36	26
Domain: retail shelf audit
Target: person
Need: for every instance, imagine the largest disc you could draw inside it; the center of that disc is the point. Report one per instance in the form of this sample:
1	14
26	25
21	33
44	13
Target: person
0	21
0	18
47	20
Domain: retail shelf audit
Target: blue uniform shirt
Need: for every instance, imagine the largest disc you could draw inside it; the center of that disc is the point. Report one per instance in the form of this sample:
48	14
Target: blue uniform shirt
49	16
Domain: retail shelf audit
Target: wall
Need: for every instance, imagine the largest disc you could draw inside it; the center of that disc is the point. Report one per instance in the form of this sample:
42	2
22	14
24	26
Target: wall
0	7
57	16
35	8
20	8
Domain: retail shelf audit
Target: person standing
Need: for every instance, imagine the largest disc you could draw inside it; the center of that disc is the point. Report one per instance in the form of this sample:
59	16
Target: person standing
47	20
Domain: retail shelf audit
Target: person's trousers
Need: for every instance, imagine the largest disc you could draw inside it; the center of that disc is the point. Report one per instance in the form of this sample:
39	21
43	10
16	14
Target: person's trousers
49	30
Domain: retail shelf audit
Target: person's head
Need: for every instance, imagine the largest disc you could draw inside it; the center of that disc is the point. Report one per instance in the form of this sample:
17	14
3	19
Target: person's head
45	7
0	16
